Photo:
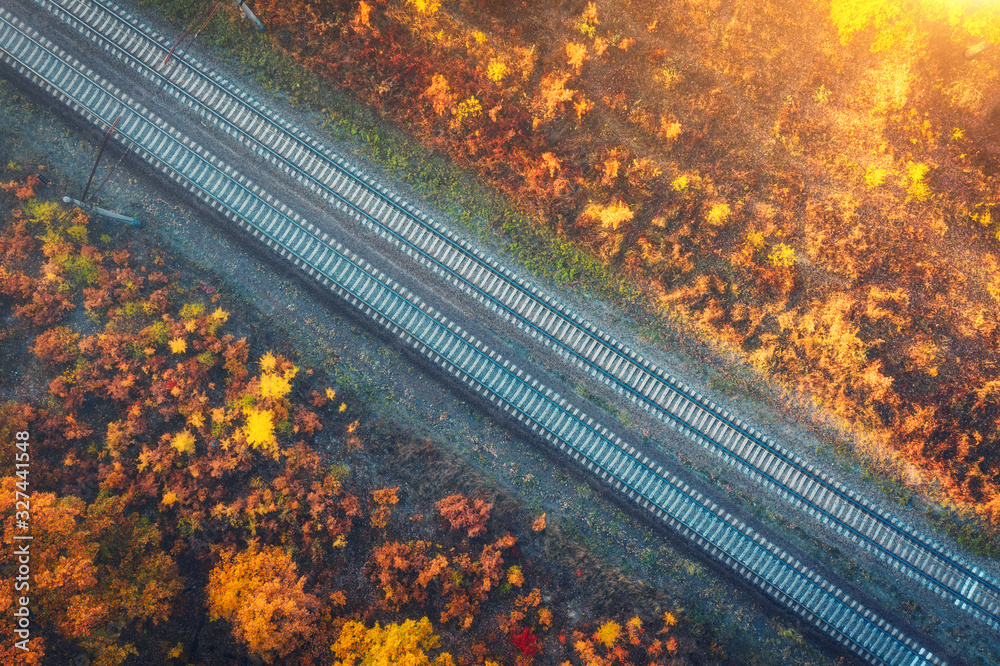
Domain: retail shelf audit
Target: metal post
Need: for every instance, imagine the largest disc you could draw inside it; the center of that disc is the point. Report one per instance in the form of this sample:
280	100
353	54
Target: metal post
184	35
100	152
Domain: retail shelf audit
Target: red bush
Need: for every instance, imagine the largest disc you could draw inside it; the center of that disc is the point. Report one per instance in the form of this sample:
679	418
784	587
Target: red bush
525	641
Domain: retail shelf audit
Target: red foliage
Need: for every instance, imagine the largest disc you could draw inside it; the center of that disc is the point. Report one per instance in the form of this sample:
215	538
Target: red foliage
525	641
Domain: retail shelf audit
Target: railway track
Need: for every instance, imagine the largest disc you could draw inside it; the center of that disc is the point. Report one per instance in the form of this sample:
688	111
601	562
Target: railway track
568	430
544	318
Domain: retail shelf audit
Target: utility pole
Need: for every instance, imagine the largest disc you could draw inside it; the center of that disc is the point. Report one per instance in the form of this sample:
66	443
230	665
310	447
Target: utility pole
214	8
100	152
242	5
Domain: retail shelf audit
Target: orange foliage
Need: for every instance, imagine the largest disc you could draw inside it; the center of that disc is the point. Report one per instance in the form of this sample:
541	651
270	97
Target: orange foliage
56	345
462	514
173	443
24	190
384	499
870	172
539	524
260	592
80	594
408	572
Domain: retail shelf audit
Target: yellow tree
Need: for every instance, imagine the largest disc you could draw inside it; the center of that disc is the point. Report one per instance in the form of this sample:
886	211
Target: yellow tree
395	644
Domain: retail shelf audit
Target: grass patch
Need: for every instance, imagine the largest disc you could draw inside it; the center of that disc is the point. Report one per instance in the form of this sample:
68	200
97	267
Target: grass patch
968	530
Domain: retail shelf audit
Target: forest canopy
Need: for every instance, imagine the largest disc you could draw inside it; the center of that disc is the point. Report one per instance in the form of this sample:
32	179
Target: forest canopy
811	185
183	506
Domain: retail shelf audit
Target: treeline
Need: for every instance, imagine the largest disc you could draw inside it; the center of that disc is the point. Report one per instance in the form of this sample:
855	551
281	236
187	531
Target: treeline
180	509
812	183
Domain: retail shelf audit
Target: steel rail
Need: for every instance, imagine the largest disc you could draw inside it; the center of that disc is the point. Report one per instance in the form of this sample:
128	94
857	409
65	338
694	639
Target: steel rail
799	497
359	292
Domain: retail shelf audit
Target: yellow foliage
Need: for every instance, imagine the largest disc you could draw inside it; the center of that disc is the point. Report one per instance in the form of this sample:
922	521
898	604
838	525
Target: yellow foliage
875	176
331	394
183	442
515	576
669	620
469	108
822	95
168	498
273	385
718	214
405	643
343	407
681	183
918	189
259	429
78	233
670	129
268	362
583	107
496	70
192	310
854	16
755	240
44	213
782	256
178	345
610	216
426	6
608	634
916	171
217	319
196	420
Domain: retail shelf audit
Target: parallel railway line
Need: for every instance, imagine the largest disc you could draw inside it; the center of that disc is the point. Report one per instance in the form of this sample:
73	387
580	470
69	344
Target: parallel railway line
455	351
542	317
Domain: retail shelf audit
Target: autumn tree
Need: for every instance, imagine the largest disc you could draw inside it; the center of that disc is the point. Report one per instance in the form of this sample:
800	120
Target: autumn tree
463	514
258	590
97	570
417	572
410	642
383	499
